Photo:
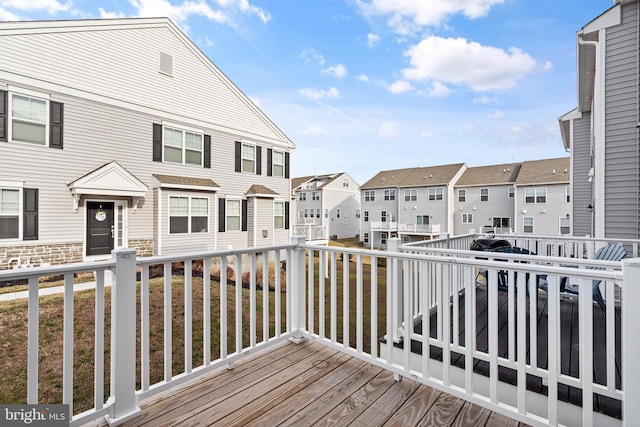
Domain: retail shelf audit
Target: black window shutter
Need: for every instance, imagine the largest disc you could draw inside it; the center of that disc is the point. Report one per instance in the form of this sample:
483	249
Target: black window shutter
238	156
157	142
258	160
3	115
286	165
286	215
245	206
269	162
221	215
56	117
207	151
30	216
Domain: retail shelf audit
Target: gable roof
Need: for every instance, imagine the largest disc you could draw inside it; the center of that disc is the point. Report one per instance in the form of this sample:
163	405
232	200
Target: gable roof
428	176
186	182
547	171
297	182
257	190
490	175
95	59
326	178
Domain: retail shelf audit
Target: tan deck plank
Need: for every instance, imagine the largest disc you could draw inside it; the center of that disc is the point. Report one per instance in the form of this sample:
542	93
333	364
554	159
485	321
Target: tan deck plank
415	408
271	394
285	410
317	409
345	413
382	408
443	412
471	415
499	420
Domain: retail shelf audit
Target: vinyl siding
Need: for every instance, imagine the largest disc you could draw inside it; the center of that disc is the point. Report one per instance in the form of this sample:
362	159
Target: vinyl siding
499	205
621	146
546	216
185	242
581	190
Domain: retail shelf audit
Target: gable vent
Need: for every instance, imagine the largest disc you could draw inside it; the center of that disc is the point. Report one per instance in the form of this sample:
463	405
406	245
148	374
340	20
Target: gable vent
166	64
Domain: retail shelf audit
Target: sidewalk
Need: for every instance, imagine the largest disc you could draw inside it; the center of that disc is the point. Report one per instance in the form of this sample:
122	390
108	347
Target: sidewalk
50	291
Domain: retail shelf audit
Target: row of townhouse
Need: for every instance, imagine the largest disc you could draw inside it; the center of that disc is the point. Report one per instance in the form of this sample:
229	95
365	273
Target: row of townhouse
425	202
601	133
108	143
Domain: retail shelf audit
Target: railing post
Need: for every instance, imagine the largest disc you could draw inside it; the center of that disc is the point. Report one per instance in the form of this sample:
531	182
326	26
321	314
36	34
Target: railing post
394	279
447	238
124	402
297	288
630	342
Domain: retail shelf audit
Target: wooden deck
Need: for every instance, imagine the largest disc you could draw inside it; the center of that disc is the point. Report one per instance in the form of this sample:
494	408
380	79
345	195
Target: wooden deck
308	384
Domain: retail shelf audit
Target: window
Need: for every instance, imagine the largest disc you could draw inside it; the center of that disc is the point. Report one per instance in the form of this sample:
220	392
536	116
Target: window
306	213
182	146
383	238
484	194
28	119
369	195
310	213
565	225
435	194
357	213
326	213
338	212
511	192
567	194
410	195
422	220
9	213
188	215
383	216
234	215
467	218
366	216
315	195
527	224
278	215
277	163
535	195
345	182
248	158
365	238
389	194
462	195
302	197
318	213
501	222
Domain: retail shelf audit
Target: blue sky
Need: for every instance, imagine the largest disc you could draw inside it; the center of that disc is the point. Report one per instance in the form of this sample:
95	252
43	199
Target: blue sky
362	86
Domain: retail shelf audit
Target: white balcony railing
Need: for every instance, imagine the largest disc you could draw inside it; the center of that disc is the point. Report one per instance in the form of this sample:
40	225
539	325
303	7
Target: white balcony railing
384	226
312	232
422	229
314	295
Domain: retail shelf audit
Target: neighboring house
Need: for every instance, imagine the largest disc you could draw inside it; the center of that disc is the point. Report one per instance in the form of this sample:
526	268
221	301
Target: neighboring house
413	204
484	199
122	133
543	197
326	206
601	133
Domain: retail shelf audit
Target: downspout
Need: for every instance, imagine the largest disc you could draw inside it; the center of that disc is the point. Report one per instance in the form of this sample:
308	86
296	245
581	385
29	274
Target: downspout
599	135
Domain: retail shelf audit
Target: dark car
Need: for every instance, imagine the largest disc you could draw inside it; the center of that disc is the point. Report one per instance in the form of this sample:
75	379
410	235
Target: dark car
489	245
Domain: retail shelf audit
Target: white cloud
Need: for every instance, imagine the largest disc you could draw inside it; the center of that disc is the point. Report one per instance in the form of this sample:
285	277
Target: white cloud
389	130
178	13
314	130
51	6
110	15
319	94
338	71
309	54
496	114
400	86
245	7
5	15
426	134
372	40
408	16
460	62
362	78
484	100
438	90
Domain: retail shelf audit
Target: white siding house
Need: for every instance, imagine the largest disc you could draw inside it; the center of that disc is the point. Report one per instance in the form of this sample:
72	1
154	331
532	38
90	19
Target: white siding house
326	206
105	143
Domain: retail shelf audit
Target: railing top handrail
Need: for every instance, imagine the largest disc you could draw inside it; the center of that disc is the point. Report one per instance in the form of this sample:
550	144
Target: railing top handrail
564	237
159	259
55	270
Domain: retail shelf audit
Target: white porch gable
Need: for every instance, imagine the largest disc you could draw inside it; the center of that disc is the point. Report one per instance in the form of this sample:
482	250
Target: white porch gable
110	179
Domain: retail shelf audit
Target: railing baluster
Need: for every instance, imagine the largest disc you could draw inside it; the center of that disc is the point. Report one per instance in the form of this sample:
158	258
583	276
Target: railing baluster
425	282
188	316
145	365
492	309
67	357
238	303
521	338
33	339
586	350
277	295
359	319
345	300
168	324
310	291
223	308
334	299
322	267
265	297
374	307
553	341
610	321
252	300
206	311
98	355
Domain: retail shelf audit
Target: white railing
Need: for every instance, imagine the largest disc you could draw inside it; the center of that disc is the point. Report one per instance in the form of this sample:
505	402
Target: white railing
387	294
312	232
384	225
415	228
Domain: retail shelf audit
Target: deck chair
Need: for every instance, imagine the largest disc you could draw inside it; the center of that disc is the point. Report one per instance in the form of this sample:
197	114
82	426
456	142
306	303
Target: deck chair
613	252
482	276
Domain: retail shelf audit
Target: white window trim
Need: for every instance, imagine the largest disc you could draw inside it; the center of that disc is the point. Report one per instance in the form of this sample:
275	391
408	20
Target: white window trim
274	214
12	90
411	195
560	225
273	163
481	190
242	158
435	192
535	195
226	213
532	224
467	218
189	214
9	185
463	193
184	131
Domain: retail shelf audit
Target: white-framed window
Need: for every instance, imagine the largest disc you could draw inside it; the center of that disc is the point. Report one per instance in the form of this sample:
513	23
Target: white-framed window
278	215
29	118
188	214
527	224
306	213
422	220
365	237
369	195
535	195
277	163
9	213
366	216
383	216
338	212
567	194
467	218
311	213
565	225
435	193
233	214
357	213
181	146
302	197
484	194
345	182
501	222
511	192
315	195
318	213
389	194
383	238
248	158
326	213
410	195
392	217
462	195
